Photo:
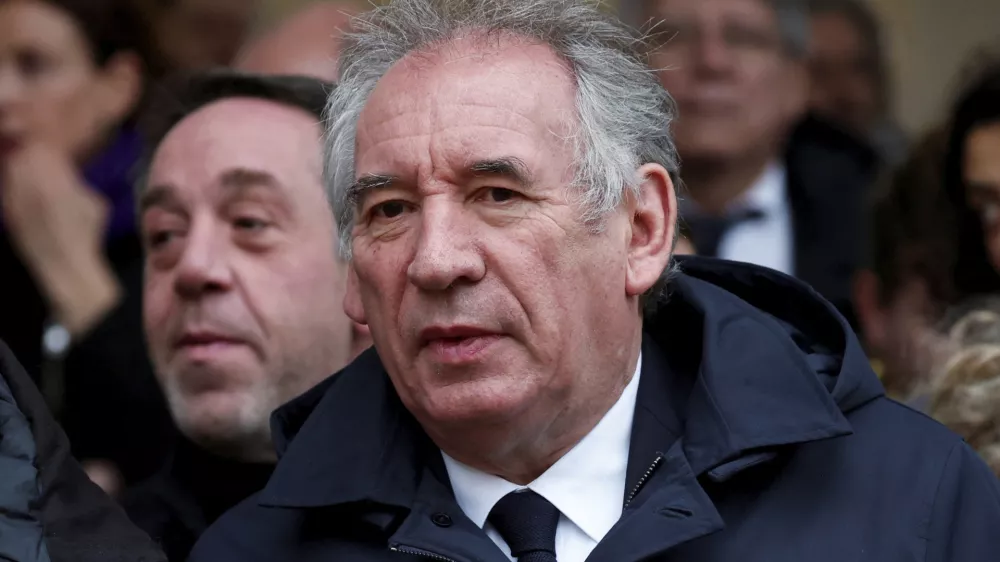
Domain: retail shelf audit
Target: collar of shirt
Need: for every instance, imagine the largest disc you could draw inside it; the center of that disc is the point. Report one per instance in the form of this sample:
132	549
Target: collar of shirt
767	194
587	484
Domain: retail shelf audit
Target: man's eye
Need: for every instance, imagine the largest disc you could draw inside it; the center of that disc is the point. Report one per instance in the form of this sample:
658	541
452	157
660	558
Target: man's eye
249	223
500	194
389	209
158	239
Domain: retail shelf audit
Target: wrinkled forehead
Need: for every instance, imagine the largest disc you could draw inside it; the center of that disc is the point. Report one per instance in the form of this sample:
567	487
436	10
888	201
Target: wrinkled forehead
239	133
476	74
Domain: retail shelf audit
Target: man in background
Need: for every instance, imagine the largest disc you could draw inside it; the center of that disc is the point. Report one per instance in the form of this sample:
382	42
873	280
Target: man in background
849	78
243	289
767	183
307	42
905	288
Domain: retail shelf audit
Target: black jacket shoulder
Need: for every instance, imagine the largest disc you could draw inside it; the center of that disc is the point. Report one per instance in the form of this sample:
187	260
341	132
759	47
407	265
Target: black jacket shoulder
45	495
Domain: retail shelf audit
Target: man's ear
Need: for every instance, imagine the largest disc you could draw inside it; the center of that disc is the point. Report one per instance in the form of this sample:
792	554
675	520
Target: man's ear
653	223
352	297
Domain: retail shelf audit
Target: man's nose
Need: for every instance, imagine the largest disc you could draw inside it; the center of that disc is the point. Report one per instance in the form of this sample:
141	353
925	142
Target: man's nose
446	252
11	88
204	265
711	54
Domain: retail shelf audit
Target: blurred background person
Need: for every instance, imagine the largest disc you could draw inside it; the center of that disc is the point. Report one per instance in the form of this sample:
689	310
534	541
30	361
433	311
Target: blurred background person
849	77
906	284
191	35
243	289
966	394
767	183
72	75
972	180
306	43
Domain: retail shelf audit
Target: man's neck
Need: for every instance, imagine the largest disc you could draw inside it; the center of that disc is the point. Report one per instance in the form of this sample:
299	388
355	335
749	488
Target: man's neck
715	185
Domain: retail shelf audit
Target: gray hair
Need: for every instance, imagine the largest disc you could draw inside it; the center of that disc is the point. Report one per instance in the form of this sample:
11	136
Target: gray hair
623	112
793	21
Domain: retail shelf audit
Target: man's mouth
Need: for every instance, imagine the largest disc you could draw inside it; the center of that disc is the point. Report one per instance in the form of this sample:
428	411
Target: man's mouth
457	344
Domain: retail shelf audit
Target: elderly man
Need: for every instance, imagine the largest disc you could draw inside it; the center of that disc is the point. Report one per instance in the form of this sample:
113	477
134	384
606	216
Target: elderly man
243	289
768	184
509	208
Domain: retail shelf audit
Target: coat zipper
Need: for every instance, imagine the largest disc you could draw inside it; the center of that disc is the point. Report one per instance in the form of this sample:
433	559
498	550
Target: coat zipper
645	477
418	552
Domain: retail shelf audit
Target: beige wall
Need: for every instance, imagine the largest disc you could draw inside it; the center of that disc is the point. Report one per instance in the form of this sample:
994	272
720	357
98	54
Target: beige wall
930	40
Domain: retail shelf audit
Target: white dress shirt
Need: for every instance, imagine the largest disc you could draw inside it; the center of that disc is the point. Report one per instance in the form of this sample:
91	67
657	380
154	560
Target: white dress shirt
587	485
769	240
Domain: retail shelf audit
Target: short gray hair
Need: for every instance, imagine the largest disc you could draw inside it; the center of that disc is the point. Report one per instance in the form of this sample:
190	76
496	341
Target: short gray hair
793	21
623	112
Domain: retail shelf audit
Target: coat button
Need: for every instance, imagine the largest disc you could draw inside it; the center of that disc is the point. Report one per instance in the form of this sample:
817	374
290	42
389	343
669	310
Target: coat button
441	519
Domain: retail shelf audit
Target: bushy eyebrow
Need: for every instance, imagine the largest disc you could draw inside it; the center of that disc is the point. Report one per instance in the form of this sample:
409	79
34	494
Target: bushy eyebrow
234	181
367	183
508	167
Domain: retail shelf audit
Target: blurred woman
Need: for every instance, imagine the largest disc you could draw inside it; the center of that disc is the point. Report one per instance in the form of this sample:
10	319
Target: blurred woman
972	180
72	75
967	393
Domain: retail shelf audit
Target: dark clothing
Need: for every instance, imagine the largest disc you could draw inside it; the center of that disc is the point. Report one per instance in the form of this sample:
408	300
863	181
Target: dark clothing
49	510
189	494
829	175
114	408
760	433
104	390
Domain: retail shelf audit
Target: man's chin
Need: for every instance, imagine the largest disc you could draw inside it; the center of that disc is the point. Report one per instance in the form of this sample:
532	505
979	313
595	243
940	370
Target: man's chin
224	424
477	402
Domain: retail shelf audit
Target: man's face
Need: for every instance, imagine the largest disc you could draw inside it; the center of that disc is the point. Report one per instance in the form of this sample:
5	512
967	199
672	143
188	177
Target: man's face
842	68
981	172
725	63
243	292
487	298
907	349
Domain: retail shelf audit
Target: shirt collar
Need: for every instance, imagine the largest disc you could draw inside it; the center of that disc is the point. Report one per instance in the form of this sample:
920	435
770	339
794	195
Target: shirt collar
768	194
587	484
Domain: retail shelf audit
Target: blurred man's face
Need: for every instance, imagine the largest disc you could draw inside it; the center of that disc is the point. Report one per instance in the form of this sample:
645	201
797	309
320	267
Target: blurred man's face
243	292
899	331
489	299
725	63
842	66
981	171
199	34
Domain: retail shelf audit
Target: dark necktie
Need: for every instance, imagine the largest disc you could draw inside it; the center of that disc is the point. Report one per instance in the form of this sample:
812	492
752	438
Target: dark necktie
707	231
527	522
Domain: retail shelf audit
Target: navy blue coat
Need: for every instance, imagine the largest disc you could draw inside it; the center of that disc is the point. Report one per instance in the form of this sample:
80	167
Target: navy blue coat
760	434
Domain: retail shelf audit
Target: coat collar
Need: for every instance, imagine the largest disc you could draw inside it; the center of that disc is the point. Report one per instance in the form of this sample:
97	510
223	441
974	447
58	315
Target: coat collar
739	384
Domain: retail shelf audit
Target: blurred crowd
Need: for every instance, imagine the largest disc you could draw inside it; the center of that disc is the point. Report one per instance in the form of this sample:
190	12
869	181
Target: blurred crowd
111	109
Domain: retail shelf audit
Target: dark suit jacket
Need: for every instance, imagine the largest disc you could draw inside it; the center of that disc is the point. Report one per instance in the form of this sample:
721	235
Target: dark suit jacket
760	434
